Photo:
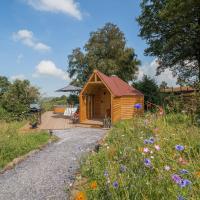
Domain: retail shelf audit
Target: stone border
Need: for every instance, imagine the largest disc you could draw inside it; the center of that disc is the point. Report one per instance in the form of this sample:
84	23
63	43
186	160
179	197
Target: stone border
80	181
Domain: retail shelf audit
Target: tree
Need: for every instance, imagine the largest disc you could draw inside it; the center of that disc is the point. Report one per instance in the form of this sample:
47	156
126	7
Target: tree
163	85
106	51
4	84
171	29
149	88
19	96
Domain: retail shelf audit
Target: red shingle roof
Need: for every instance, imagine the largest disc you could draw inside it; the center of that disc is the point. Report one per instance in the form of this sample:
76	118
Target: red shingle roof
117	86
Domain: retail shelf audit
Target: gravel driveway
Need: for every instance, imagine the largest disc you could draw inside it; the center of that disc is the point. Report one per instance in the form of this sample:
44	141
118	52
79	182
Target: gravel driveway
46	174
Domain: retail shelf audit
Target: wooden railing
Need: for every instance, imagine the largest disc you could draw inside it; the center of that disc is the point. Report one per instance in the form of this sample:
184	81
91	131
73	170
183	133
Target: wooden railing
177	89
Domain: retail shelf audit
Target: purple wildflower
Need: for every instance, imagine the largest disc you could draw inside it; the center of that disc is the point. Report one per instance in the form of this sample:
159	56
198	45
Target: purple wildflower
147	162
179	147
106	173
151	140
138	106
146	141
184	171
184	183
115	184
176	178
180	198
122	168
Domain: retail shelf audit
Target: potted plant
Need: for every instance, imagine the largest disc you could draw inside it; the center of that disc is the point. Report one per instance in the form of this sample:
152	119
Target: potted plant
33	121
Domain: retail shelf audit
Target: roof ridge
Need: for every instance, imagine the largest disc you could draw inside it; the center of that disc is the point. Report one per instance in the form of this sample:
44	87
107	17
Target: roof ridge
117	86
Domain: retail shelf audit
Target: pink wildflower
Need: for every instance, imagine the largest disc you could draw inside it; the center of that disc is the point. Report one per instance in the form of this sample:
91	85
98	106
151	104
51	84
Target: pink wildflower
182	161
145	150
157	147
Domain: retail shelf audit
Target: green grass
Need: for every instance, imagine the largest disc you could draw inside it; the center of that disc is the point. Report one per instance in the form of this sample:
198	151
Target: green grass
124	149
14	143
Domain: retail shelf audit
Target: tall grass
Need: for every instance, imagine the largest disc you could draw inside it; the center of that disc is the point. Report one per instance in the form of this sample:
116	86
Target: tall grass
13	143
127	168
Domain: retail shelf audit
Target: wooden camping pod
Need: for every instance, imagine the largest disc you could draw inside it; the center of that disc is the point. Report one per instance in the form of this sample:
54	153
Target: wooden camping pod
103	97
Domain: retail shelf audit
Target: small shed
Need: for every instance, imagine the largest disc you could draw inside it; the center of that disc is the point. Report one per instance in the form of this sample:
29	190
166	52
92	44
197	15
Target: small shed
104	96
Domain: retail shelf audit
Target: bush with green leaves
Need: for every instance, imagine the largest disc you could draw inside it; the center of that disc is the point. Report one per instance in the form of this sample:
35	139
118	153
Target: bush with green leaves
16	99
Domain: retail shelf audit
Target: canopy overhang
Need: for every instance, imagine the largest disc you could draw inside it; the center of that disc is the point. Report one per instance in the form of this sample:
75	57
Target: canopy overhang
70	88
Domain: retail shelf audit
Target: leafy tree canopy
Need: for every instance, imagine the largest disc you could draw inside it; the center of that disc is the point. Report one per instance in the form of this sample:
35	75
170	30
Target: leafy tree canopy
4	84
163	84
106	51
172	30
149	88
19	96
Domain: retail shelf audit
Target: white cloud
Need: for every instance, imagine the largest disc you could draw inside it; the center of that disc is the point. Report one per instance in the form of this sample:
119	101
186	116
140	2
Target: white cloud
28	39
69	7
18	77
48	68
150	70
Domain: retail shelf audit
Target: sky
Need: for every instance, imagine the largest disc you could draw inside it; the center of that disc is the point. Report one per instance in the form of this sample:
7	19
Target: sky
37	36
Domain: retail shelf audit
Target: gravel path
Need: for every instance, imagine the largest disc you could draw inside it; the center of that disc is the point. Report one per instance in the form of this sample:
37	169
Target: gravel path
46	174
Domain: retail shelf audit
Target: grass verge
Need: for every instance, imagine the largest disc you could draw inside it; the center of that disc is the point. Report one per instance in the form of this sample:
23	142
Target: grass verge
14	144
141	160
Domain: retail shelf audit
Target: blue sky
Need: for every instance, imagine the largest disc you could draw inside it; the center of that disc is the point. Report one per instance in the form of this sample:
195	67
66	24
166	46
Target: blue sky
37	36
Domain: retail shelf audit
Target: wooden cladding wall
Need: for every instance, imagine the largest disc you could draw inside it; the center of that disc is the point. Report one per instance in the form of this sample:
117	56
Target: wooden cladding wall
141	101
127	106
116	109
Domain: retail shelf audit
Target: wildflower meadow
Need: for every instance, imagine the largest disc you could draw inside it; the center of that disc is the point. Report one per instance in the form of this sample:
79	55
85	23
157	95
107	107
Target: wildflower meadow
146	158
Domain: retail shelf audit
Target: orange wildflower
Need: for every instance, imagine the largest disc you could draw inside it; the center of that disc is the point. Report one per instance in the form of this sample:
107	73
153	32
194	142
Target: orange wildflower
93	185
198	174
80	196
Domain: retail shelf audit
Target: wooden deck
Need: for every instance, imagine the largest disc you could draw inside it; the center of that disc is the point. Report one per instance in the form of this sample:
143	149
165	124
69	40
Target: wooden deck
55	122
51	121
93	122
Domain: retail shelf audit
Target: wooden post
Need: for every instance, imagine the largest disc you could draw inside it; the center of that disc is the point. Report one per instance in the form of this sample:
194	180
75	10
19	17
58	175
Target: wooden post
95	78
